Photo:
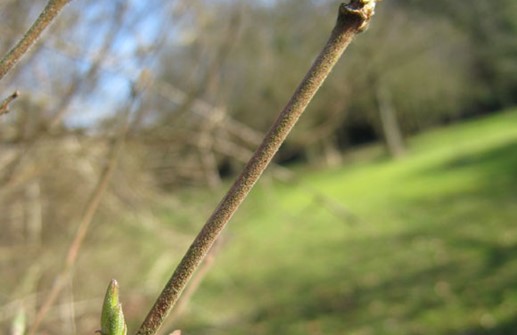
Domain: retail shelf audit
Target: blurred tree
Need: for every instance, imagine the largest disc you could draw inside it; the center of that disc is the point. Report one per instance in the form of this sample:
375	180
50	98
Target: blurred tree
48	164
418	70
491	28
269	62
422	64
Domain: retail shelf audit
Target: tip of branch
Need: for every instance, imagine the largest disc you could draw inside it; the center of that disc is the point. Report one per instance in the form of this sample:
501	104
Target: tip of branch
112	317
4	105
364	9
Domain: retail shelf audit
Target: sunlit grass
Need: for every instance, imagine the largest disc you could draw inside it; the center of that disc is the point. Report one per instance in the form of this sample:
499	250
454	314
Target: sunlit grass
422	245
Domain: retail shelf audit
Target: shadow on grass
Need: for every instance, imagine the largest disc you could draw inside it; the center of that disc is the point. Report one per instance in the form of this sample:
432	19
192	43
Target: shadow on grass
411	299
413	290
404	295
507	327
496	168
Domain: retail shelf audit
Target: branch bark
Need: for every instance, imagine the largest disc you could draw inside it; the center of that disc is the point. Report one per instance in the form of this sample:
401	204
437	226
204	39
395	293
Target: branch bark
352	19
48	14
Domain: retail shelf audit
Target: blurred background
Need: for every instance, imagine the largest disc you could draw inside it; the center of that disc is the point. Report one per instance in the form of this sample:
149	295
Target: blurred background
391	208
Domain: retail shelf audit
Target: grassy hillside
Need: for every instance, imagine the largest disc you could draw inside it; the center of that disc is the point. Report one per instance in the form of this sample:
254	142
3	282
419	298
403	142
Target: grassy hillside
423	245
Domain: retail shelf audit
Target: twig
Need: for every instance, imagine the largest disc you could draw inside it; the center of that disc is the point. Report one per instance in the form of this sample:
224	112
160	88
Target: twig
352	19
48	14
4	106
336	208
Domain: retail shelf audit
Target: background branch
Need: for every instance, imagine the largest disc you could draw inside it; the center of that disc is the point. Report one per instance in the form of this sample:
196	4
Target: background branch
48	14
4	106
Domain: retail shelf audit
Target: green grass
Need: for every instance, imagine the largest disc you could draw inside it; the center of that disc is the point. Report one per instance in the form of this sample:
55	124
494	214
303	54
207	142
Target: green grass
422	245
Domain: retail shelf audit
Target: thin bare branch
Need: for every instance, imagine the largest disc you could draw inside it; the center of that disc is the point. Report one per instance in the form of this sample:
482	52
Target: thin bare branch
352	19
4	106
48	14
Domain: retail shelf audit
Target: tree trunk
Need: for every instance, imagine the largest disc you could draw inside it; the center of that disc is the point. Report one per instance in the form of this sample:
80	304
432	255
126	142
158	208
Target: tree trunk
331	154
389	123
33	213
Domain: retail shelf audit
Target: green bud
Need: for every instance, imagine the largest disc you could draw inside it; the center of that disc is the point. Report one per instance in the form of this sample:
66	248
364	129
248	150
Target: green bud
20	323
112	317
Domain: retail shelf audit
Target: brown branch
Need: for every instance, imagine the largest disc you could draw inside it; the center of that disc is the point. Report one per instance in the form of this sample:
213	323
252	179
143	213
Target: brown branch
48	14
352	19
196	281
4	106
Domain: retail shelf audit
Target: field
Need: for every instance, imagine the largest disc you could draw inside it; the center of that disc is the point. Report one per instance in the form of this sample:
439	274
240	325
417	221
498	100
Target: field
422	245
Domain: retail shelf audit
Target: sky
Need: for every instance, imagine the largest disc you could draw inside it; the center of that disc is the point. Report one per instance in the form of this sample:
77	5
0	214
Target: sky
70	54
